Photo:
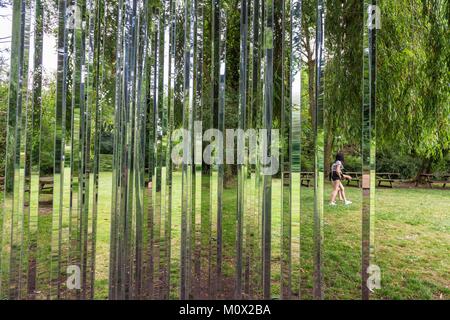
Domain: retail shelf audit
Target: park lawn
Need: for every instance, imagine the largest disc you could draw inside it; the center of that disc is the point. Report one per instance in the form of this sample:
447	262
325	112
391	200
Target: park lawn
412	243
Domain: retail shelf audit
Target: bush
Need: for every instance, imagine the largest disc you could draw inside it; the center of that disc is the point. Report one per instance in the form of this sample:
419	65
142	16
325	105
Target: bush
391	161
442	167
352	163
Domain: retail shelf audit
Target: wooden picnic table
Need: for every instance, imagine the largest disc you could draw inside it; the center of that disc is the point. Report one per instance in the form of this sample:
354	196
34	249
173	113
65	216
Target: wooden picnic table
356	177
389	177
445	181
45	183
430	179
306	178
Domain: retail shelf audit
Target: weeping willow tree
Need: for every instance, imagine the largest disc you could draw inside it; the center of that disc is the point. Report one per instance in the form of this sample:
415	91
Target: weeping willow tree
413	61
343	75
414	100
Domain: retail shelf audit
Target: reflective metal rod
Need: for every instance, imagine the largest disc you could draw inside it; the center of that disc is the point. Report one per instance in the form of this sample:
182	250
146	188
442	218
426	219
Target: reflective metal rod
319	152
368	143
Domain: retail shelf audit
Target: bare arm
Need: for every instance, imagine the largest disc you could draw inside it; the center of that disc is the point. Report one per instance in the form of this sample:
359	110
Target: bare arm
339	171
343	176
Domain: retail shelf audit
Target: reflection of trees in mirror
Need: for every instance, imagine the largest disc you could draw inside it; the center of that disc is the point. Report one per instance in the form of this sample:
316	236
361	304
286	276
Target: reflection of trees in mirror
86	116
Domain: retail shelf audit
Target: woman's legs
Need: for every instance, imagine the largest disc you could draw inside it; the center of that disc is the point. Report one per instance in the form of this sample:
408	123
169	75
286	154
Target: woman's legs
334	193
342	191
340	195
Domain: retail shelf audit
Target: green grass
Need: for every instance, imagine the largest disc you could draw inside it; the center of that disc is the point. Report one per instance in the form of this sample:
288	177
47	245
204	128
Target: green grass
411	246
412	242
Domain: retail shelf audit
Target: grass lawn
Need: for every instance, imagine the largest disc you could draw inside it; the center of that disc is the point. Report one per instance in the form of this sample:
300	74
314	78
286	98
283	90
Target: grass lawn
412	243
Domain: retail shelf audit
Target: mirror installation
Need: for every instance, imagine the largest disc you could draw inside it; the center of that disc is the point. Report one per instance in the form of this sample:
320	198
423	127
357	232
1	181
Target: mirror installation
156	150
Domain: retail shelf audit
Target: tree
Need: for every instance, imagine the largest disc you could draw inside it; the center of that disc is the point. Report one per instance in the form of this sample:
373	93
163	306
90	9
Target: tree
413	63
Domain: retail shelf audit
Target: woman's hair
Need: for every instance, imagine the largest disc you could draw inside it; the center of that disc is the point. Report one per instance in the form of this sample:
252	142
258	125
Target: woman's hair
340	157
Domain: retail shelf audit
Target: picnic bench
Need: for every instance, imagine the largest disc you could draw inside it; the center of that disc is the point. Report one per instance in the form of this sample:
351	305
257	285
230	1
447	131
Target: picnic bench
388	177
45	183
445	179
431	179
306	178
356	177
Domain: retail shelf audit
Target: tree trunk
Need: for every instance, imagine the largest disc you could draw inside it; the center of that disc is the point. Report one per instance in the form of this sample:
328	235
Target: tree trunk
425	168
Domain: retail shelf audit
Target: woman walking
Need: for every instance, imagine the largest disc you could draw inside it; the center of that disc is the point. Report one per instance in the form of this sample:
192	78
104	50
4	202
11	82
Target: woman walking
337	176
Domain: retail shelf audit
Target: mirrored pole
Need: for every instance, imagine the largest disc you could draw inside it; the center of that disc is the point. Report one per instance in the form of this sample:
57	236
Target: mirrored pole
222	24
197	142
58	259
36	106
241	166
286	165
368	142
267	125
319	151
10	253
256	94
295	132
205	8
214	101
187	181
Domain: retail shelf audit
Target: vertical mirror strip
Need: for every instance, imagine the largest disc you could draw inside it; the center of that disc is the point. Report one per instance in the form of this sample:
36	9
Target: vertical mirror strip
142	182
26	152
207	118
241	167
267	116
221	166
285	156
368	144
164	156
60	131
198	151
187	231
215	76
11	238
247	175
114	285
178	124
103	95
256	123
295	132
318	152
36	105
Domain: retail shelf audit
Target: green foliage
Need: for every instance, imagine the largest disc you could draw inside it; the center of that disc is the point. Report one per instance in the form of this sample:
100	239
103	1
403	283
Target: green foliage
413	115
413	62
3	126
343	80
47	134
352	163
388	160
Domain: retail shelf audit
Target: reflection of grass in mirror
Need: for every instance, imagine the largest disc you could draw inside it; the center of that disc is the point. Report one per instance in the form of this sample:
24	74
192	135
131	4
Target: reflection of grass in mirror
412	242
401	214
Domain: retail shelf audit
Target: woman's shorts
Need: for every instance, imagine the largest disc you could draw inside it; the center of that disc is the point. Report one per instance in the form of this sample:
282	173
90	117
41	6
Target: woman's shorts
335	176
